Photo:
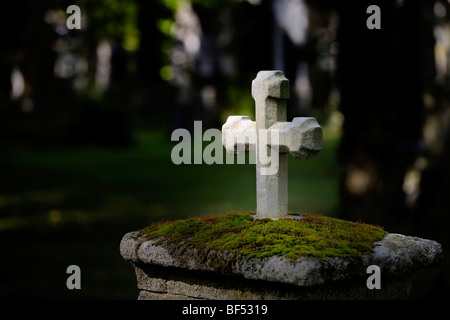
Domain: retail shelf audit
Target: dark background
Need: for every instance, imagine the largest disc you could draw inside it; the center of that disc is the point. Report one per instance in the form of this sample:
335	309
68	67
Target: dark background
86	118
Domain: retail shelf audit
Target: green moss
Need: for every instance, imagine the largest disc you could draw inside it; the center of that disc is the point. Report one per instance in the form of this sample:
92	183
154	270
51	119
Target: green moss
312	235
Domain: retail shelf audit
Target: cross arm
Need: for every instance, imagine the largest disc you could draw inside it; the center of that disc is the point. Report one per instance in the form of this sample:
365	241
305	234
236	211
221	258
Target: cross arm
239	134
302	137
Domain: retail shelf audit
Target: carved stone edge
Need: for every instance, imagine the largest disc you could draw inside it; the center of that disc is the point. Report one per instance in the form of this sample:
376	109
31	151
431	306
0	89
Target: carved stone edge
395	254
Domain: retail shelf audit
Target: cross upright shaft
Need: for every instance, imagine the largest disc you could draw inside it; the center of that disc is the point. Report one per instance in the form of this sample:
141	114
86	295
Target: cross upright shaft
270	90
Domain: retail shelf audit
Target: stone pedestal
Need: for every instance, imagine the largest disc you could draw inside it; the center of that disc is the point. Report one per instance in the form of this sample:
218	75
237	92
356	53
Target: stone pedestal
170	271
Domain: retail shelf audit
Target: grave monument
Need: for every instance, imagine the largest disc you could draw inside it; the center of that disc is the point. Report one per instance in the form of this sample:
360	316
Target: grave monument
170	266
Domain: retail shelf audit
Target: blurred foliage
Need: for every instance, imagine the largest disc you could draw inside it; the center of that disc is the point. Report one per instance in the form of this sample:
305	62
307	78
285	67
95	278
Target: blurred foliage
113	20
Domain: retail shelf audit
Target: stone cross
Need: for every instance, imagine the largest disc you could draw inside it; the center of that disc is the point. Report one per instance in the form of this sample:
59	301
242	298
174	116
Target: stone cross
302	138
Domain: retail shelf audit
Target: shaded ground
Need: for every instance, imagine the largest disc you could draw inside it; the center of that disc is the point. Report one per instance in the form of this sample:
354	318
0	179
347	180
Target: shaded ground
60	207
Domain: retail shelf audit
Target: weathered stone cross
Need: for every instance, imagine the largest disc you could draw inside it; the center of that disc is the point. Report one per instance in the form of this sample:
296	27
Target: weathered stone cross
302	138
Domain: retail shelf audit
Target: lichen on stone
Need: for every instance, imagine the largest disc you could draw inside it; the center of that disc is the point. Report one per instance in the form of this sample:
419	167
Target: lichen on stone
239	233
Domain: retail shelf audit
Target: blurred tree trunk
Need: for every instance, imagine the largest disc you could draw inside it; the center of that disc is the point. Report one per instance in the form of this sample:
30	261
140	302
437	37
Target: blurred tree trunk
149	57
382	75
395	148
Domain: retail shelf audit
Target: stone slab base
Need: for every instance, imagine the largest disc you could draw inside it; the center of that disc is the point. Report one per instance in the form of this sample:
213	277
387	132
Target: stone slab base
175	270
169	283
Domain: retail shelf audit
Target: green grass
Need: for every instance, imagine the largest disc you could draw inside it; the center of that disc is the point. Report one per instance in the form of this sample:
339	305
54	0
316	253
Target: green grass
73	205
313	235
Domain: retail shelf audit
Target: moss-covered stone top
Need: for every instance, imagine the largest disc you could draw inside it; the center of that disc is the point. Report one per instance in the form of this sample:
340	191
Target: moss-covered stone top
240	233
